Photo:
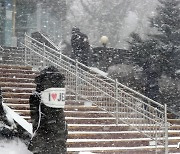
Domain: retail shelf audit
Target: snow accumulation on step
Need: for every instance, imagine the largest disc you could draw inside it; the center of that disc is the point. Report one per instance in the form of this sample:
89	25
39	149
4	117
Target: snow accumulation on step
19	83
14	77
98	118
17	88
14	93
121	132
117	148
14	105
86	112
118	140
111	125
23	99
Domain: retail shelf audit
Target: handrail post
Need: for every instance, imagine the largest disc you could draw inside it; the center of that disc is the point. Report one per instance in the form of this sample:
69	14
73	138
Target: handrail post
1	53
44	54
166	129
117	106
76	73
0	95
60	57
25	51
60	54
156	141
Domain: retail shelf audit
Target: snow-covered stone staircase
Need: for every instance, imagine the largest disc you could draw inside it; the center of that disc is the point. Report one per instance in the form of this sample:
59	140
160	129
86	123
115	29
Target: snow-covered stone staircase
90	128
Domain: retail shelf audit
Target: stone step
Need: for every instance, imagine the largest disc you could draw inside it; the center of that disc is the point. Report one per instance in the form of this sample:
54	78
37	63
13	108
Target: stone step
12	97
174	121
105	143
124	150
18	106
16	67
17	100
104	135
81	108
17	90
101	120
22	85
86	114
111	128
72	113
67	107
77	120
14	79
116	142
98	127
3	70
23	98
127	134
19	75
13	61
68	112
106	127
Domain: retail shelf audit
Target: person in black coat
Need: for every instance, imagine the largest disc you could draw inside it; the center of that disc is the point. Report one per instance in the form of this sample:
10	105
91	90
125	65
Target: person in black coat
80	46
49	125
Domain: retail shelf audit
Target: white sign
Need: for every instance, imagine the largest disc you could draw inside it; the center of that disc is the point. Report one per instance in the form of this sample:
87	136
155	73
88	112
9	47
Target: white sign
54	97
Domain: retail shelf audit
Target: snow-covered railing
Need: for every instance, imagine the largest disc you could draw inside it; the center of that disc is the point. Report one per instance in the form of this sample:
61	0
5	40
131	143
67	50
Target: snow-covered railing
19	119
136	110
45	39
14	116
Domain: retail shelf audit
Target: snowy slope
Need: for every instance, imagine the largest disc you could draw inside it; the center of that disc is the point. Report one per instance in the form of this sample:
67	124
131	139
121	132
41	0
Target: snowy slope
13	147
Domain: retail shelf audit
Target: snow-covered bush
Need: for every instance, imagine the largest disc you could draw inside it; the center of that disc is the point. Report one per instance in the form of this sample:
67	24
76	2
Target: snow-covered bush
128	75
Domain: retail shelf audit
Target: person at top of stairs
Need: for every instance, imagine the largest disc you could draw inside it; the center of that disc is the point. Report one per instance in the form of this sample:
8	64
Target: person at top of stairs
80	46
49	125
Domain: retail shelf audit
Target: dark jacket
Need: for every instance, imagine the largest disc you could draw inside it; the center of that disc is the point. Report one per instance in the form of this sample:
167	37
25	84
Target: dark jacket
80	46
49	125
51	135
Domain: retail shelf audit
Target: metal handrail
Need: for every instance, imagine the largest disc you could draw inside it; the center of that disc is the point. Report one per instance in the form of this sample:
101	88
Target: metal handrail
1	95
48	39
110	79
119	100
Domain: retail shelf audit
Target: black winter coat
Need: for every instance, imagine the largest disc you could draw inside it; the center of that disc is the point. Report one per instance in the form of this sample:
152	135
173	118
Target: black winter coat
51	131
80	46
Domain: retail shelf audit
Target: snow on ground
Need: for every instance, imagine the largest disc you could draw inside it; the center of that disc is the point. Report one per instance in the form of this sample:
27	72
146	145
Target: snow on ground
13	147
